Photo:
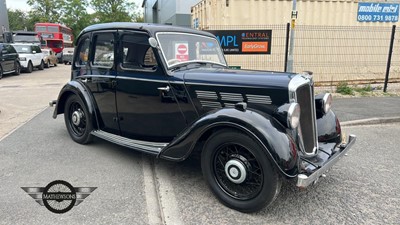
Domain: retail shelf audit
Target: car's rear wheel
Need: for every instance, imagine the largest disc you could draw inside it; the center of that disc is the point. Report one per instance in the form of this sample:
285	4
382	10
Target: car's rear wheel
47	64
30	67
17	68
77	120
41	66
238	171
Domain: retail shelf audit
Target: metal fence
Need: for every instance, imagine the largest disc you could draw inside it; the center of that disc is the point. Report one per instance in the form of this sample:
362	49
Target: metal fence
357	55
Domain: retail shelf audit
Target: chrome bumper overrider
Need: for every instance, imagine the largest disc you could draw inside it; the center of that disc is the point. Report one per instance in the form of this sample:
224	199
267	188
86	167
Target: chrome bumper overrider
303	180
52	103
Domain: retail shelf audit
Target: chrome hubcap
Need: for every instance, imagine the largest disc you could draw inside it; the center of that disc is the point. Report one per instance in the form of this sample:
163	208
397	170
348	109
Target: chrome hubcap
76	118
236	171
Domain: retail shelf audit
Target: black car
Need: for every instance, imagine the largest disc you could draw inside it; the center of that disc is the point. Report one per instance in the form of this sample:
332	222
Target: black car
9	61
168	91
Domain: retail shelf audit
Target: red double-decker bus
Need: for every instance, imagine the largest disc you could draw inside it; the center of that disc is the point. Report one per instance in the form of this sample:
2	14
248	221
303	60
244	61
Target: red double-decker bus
56	36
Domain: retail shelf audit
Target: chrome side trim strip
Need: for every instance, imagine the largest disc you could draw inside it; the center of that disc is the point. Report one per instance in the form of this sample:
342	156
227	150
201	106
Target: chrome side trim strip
207	95
144	146
303	180
235	97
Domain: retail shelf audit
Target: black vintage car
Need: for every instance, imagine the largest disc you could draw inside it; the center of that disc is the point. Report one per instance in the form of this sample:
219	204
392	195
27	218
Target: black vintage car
167	91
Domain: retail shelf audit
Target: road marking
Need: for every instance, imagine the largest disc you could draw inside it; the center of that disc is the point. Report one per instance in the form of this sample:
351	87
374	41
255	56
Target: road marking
150	191
169	206
371	121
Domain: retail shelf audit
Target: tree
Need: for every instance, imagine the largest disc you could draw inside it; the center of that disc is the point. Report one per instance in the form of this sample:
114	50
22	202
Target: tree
75	15
18	20
113	11
44	11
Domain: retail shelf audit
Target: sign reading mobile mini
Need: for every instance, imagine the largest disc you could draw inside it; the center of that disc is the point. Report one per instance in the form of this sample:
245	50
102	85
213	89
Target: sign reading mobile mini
244	41
377	12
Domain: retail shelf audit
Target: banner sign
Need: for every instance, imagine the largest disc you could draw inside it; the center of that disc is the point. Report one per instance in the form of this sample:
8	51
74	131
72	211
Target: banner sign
244	41
377	12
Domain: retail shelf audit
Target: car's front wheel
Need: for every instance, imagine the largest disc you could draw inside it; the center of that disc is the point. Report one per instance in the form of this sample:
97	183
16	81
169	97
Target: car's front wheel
47	64
238	171
17	68
1	72
77	120
30	67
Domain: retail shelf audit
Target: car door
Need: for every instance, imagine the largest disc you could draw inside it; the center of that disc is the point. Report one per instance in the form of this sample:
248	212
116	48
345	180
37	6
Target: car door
39	54
8	58
3	52
95	68
146	105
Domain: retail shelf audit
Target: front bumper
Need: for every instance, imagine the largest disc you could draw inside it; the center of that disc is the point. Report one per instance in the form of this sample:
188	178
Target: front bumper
24	64
305	179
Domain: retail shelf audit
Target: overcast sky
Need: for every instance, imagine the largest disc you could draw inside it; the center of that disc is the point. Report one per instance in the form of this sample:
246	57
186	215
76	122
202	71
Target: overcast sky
22	5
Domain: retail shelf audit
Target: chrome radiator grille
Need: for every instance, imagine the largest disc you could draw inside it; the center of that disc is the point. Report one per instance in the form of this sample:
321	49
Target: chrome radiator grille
301	90
305	97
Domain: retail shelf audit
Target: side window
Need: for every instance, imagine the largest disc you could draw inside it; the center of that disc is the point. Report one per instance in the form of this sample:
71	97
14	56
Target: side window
11	49
38	50
103	50
138	55
7	48
83	52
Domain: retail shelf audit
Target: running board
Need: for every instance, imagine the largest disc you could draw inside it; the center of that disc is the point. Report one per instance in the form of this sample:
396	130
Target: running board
143	146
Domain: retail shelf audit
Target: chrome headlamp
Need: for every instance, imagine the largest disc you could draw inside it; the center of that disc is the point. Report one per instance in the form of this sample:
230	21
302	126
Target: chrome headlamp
327	102
293	115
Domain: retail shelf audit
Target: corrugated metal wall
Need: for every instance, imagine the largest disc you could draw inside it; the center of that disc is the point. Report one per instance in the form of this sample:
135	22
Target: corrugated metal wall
329	40
261	12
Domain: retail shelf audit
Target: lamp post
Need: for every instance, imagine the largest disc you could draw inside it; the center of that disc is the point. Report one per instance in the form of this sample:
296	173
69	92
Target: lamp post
291	43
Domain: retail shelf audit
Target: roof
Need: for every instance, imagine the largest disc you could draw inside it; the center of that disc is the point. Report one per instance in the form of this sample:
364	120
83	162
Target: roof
150	28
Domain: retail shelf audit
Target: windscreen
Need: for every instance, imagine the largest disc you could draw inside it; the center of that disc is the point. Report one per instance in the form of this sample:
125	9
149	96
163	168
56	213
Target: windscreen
179	48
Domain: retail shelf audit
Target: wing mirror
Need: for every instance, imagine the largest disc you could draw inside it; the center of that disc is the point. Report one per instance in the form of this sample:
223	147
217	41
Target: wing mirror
34	52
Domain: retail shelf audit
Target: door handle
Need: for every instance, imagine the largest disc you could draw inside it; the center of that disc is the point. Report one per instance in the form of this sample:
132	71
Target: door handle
164	88
85	80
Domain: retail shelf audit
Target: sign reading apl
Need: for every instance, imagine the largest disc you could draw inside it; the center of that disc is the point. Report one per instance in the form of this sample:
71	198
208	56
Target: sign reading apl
244	41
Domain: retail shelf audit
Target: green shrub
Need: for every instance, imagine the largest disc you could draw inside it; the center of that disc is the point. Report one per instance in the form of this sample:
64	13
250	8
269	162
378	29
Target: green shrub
344	89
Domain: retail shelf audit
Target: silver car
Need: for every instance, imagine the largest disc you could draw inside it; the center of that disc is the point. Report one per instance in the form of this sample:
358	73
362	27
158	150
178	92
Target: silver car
67	55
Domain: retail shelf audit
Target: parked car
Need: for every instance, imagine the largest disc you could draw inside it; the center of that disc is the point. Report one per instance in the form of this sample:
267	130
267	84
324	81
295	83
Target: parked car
50	58
169	93
9	61
30	56
67	55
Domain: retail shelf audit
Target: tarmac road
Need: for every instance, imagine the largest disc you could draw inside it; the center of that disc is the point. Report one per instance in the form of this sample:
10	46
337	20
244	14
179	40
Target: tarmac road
136	189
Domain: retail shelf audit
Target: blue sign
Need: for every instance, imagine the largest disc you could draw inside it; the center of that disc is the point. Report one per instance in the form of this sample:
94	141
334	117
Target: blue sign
378	12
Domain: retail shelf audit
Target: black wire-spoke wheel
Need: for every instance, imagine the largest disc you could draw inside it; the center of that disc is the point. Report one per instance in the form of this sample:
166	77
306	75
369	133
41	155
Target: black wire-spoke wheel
238	171
77	120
